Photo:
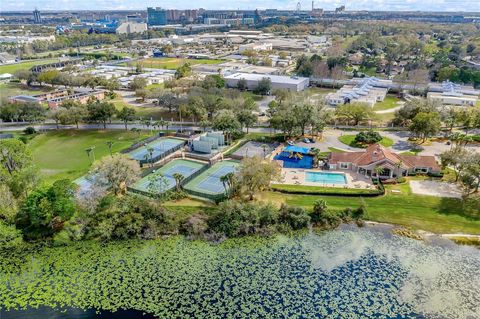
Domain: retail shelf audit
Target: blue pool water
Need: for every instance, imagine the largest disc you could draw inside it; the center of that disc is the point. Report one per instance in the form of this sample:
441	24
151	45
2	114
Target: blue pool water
326	178
295	162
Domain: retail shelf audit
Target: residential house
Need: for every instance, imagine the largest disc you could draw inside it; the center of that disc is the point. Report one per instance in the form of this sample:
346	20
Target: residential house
377	161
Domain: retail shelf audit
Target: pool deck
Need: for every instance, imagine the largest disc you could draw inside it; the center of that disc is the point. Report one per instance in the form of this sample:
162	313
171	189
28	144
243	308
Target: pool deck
296	176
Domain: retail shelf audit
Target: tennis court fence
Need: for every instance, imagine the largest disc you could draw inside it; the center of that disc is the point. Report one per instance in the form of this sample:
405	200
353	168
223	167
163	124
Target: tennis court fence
162	155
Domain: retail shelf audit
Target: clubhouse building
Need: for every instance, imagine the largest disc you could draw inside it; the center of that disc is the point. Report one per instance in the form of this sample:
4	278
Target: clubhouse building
377	160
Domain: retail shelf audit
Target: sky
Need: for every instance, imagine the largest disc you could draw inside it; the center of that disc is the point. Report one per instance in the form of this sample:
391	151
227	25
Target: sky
377	5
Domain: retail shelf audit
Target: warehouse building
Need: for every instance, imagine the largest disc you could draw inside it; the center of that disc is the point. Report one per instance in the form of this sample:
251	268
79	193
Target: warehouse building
293	83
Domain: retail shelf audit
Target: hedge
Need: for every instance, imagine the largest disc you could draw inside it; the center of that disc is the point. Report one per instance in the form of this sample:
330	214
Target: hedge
319	190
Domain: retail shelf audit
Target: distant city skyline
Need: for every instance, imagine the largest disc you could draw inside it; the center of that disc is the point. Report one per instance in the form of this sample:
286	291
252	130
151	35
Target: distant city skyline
377	5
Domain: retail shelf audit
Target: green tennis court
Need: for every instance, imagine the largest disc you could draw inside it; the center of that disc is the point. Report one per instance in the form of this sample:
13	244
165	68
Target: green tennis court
209	181
177	166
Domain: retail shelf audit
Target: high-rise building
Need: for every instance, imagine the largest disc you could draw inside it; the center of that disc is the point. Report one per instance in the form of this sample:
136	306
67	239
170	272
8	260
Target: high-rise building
156	16
37	18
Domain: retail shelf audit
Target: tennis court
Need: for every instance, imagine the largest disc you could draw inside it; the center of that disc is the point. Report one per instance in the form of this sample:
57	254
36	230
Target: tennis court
160	147
179	166
209	181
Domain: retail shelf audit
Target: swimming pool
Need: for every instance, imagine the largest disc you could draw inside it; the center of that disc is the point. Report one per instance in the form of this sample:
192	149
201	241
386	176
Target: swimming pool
326	178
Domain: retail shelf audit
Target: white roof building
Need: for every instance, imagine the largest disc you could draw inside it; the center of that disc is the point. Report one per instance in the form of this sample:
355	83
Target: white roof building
453	94
295	83
131	27
366	90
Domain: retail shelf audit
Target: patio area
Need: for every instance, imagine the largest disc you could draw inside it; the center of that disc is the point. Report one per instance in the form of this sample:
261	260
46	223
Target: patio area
295	176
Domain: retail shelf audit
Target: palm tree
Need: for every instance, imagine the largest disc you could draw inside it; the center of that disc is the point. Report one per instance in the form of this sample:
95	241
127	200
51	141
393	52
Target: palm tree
149	155
379	171
224	180
91	153
110	144
160	124
178	179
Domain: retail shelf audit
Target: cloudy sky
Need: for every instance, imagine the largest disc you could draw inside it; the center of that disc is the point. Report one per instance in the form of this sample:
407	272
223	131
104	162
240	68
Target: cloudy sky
422	5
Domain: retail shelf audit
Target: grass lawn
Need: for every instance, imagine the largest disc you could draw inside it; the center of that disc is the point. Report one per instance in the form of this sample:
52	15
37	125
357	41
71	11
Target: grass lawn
389	103
171	63
12	68
11	89
61	154
434	214
350	141
154	112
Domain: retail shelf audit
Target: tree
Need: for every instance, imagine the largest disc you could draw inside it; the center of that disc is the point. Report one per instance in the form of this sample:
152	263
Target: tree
470	177
142	94
246	118
213	81
178	181
138	83
304	115
354	113
242	84
8	205
157	185
45	210
116	172
456	158
126	114
256	174
73	115
183	71
56	115
319	210
368	137
47	76
100	112
226	121
14	157
425	125
264	86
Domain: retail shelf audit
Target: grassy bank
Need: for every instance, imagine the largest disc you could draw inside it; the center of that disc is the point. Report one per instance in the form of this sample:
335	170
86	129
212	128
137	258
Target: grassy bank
171	63
434	214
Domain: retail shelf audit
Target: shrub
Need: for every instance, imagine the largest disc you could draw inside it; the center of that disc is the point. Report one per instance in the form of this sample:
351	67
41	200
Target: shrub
29	130
295	217
368	137
401	180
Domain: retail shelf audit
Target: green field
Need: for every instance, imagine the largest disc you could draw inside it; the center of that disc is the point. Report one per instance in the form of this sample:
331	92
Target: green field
61	154
350	141
12	68
170	63
434	214
11	89
390	102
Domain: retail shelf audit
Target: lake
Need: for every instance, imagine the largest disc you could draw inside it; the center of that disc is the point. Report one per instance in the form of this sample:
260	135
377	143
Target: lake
346	273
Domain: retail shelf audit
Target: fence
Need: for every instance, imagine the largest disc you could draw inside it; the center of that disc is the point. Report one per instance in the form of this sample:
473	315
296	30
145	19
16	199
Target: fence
141	143
216	198
161	156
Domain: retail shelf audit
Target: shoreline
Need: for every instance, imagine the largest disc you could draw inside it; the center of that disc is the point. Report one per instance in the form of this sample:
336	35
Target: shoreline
425	233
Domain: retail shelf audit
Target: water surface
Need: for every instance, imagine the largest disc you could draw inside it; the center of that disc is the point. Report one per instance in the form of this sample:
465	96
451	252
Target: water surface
346	273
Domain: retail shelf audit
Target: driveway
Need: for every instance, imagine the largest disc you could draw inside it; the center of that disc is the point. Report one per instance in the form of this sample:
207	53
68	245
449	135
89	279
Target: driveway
433	188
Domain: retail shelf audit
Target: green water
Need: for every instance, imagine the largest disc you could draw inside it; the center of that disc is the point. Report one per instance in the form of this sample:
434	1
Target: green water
346	273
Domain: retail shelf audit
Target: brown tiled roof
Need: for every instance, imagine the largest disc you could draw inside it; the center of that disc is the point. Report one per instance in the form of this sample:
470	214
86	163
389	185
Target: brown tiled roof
421	161
349	157
376	152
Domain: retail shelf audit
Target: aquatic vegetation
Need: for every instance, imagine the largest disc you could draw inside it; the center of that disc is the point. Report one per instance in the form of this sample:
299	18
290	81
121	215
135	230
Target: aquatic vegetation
347	273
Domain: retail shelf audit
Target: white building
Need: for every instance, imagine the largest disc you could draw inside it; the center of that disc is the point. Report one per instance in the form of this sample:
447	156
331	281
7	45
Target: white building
453	94
255	47
7	58
366	90
296	84
131	27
